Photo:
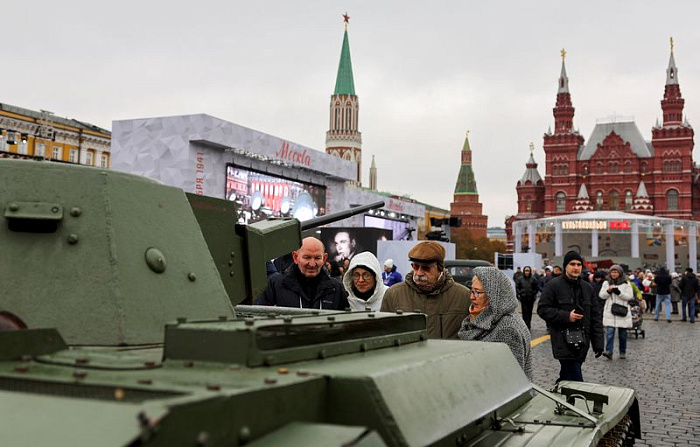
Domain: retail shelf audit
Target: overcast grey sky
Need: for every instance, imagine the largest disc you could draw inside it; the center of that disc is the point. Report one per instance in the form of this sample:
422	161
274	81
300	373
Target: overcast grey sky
425	72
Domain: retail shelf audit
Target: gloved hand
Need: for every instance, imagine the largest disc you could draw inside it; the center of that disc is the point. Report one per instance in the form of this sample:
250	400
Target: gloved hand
616	291
598	353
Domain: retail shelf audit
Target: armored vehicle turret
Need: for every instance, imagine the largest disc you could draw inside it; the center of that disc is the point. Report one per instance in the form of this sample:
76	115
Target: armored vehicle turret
119	327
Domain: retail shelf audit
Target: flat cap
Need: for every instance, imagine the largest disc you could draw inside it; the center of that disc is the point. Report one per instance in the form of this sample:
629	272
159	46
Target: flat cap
427	251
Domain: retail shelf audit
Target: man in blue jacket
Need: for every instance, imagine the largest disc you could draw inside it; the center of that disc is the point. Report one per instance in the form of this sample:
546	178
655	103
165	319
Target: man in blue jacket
390	276
305	283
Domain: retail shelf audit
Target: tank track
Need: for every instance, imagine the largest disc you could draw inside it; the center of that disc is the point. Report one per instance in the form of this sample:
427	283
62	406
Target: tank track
622	435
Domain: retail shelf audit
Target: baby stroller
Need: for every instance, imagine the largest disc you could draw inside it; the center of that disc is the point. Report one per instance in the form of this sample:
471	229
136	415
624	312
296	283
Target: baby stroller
637	318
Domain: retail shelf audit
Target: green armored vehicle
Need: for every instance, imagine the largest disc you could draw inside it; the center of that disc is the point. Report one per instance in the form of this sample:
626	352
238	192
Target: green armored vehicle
119	327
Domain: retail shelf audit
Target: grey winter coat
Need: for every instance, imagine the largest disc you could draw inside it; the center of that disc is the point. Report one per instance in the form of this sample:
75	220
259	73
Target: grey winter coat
499	322
676	289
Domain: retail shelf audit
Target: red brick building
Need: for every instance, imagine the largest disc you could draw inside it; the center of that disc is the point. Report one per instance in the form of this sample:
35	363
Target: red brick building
616	169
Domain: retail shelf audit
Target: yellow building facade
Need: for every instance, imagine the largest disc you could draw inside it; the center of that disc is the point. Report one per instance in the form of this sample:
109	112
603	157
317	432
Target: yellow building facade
41	134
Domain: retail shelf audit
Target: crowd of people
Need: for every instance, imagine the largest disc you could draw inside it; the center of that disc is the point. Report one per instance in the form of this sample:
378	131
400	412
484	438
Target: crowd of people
583	310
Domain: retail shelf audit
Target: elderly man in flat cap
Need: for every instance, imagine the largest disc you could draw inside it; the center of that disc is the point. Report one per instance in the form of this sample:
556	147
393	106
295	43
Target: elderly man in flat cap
430	289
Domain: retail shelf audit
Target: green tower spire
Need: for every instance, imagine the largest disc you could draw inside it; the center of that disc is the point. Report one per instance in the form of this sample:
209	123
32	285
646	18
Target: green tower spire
466	184
344	84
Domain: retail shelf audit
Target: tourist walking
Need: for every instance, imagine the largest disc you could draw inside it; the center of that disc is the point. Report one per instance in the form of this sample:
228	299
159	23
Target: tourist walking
617	292
526	288
663	293
567	305
675	292
689	289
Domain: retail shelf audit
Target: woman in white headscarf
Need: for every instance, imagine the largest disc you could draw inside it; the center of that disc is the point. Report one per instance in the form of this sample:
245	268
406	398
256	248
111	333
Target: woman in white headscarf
363	282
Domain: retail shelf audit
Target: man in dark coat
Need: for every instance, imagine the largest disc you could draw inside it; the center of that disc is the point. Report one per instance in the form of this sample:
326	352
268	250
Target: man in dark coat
689	288
568	306
305	283
527	288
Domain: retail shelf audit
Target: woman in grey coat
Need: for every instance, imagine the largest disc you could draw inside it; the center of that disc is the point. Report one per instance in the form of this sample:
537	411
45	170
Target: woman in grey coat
492	315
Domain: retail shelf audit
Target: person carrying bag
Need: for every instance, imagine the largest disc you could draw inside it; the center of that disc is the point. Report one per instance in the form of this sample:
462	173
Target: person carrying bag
616	291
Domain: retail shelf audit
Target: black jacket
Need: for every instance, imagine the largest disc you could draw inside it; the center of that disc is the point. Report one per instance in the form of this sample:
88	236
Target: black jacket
559	297
663	284
689	285
526	288
286	290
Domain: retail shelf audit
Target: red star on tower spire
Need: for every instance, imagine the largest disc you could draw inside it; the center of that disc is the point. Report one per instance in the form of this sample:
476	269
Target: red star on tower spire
346	19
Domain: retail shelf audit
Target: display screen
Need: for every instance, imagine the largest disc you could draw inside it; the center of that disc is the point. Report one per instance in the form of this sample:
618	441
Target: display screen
344	243
259	196
399	229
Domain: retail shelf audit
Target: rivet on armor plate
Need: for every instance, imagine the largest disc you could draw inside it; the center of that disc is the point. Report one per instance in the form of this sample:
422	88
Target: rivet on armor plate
75	212
244	434
14	207
191	276
155	259
72	239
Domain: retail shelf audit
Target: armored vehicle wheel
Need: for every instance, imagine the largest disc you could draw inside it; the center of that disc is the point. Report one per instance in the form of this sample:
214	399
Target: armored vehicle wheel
622	435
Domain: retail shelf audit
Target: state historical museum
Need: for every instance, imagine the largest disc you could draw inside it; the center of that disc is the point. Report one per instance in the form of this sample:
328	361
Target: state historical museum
616	170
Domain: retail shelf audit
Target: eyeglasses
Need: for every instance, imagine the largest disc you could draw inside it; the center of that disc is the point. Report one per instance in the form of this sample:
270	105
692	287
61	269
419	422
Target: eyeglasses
421	267
476	293
366	276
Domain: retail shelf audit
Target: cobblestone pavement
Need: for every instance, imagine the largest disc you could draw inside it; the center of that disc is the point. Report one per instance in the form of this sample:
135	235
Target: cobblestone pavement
664	369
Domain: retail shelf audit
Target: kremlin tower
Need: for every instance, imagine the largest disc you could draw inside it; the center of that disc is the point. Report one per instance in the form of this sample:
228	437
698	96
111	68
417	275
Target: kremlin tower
343	139
466	205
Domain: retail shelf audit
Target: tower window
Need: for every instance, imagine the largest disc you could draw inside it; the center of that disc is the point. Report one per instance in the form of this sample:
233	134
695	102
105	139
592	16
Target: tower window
672	200
599	168
628	167
561	202
599	201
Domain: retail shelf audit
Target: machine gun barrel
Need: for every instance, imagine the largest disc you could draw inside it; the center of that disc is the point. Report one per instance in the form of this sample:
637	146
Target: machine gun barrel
340	215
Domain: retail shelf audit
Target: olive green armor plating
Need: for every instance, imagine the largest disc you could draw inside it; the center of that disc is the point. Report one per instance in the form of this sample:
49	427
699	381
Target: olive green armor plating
120	325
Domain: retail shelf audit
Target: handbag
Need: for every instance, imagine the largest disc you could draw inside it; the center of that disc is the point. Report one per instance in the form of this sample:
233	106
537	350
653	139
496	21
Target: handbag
574	337
619	310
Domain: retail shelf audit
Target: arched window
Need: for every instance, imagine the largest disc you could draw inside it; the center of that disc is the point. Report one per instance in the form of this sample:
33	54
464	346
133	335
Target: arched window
614	200
599	168
561	202
529	205
628	167
599	200
643	169
672	200
628	200
585	169
613	167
